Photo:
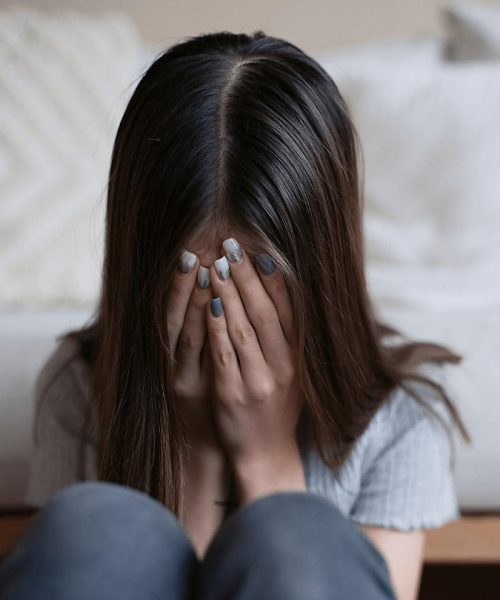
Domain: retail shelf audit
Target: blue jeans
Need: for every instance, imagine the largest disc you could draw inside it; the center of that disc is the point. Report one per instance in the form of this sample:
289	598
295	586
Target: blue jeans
97	540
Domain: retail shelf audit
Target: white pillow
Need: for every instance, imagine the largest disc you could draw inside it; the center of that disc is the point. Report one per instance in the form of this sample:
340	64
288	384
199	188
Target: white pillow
431	144
423	49
472	32
64	83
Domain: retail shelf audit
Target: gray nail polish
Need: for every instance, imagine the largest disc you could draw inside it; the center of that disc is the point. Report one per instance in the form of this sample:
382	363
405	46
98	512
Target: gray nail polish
216	307
233	250
203	277
222	268
187	261
265	263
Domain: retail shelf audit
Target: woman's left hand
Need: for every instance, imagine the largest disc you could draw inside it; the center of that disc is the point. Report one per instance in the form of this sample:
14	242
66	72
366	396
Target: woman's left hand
257	399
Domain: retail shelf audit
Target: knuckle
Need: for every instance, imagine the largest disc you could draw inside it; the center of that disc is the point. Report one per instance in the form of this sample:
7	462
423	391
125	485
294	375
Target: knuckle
188	341
266	318
224	357
265	389
244	333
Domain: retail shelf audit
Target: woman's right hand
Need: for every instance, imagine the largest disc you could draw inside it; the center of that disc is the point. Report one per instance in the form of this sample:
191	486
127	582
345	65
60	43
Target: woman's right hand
205	463
187	331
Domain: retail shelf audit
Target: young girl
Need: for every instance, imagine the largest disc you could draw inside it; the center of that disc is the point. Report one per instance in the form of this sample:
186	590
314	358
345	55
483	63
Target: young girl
234	352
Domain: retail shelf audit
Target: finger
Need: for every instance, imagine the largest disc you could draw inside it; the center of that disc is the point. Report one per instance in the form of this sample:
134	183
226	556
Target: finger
275	285
194	331
224	357
178	295
266	312
239	327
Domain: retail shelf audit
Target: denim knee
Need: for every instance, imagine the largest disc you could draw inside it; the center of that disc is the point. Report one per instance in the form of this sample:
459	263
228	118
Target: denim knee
124	512
296	545
100	539
266	520
98	504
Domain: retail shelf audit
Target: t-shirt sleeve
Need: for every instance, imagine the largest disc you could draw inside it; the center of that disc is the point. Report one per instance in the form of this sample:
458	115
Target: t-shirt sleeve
408	483
60	454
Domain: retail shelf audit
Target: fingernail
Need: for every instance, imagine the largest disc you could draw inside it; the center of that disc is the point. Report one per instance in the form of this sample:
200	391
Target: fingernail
265	263
222	268
216	307
203	277
187	261
233	250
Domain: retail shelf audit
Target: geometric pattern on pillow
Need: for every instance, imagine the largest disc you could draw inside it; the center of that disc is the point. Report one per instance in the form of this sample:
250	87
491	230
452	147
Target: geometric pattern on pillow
64	84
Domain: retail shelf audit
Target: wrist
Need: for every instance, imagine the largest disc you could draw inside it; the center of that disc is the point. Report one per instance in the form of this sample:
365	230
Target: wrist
206	477
205	484
267	476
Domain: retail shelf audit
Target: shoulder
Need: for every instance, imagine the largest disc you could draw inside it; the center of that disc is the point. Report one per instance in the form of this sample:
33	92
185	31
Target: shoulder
406	472
64	445
62	388
401	412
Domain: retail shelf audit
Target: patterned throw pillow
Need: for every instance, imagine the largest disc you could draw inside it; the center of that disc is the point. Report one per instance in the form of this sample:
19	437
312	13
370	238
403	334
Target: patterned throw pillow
64	83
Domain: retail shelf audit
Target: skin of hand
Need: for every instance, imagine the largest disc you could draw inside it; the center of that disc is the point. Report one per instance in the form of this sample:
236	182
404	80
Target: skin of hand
206	467
257	399
193	379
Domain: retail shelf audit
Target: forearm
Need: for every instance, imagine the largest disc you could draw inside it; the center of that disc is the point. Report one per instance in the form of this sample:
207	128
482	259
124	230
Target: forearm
206	481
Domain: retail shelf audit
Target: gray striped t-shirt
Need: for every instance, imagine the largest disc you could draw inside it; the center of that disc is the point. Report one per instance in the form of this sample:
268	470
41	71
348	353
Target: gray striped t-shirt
398	476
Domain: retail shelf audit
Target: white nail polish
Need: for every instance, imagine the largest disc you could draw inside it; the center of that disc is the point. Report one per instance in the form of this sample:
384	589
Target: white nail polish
187	261
233	250
222	268
203	277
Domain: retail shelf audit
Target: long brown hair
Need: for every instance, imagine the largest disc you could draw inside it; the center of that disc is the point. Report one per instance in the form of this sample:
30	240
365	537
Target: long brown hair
246	130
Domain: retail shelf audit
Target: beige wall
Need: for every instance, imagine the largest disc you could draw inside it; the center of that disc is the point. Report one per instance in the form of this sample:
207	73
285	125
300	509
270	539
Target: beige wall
314	25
